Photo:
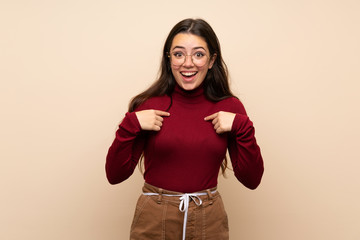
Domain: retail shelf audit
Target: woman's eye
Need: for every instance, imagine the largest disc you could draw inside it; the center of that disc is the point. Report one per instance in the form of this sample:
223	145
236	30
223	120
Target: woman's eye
178	54
199	55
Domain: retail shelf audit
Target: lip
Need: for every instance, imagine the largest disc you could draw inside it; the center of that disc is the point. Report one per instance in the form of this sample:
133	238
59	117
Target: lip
188	78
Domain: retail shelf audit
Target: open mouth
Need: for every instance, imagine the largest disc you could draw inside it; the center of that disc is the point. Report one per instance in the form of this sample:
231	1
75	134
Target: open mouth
188	74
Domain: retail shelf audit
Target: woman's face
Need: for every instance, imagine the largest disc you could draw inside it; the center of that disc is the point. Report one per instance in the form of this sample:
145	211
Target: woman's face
190	60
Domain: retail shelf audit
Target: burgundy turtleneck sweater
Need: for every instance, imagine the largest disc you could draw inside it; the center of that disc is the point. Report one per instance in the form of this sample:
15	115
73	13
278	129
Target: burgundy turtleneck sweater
186	154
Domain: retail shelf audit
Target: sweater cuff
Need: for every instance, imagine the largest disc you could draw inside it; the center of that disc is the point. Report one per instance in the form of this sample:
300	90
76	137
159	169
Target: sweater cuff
130	124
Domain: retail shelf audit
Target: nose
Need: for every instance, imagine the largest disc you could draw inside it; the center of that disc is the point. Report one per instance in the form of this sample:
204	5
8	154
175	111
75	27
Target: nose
188	62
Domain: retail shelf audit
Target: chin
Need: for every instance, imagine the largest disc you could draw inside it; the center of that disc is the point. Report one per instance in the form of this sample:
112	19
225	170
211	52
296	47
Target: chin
188	86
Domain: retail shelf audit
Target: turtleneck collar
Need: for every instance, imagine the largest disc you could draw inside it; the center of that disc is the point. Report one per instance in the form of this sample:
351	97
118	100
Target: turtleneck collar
189	96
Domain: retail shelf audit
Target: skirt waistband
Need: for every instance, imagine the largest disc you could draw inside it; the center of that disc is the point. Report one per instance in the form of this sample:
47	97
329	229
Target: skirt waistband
152	189
184	198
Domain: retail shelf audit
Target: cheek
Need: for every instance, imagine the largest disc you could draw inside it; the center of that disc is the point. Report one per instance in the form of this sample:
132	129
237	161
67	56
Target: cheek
176	74
203	71
175	70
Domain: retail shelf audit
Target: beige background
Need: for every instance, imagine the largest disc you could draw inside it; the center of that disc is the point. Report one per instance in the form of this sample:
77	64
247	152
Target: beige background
68	69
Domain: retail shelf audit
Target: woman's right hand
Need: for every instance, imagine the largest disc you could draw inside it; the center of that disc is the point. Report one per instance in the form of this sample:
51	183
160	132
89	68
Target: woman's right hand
151	119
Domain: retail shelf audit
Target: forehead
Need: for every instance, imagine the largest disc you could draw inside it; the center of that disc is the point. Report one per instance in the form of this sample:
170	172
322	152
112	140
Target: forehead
188	41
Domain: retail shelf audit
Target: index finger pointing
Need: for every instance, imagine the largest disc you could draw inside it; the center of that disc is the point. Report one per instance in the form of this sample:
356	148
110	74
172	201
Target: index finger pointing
211	117
161	113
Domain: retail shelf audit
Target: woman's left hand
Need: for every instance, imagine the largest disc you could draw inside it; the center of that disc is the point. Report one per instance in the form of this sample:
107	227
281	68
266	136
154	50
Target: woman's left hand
222	121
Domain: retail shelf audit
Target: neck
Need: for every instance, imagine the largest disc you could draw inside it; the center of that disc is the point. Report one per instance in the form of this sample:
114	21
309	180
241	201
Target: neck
189	96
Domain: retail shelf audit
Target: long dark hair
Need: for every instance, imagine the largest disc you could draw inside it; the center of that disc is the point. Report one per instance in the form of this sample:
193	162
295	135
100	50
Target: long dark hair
216	83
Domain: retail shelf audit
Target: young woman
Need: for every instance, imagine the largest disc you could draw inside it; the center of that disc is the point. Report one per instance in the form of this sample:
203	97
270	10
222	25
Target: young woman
182	127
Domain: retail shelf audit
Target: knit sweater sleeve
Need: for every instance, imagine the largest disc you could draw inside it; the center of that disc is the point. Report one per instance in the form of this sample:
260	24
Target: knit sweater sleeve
244	151
125	151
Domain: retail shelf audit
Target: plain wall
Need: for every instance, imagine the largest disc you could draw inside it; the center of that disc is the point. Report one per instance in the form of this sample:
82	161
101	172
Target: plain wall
68	69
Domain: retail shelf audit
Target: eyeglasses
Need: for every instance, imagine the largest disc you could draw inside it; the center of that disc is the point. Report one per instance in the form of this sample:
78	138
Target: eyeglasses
178	58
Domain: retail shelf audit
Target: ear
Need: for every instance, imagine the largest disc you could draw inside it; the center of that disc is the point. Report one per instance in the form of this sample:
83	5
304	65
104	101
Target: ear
212	60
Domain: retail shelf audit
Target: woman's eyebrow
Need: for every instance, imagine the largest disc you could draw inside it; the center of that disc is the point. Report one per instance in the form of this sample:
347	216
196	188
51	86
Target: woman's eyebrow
179	47
195	48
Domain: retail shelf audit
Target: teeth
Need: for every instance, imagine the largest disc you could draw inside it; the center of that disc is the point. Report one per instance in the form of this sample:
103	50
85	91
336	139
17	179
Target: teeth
188	74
